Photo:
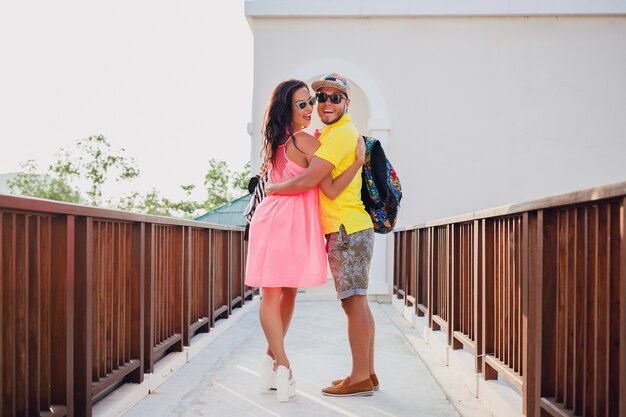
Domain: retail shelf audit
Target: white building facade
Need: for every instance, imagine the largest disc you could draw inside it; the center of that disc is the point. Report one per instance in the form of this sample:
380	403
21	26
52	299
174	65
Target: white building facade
478	104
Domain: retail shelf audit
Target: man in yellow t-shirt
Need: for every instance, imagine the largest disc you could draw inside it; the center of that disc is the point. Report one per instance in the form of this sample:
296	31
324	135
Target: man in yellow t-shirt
348	229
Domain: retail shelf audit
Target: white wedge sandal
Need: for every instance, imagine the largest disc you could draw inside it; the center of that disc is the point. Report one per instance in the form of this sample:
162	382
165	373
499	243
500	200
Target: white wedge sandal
285	386
266	373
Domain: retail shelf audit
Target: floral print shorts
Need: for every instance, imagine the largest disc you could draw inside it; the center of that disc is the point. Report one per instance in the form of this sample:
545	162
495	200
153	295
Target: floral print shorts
349	258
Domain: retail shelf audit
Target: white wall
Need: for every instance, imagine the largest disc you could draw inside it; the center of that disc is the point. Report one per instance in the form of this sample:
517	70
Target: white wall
481	111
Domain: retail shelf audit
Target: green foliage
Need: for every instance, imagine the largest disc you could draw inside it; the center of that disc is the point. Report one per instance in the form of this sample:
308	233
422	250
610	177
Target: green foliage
154	204
29	183
217	184
223	185
240	179
187	206
97	163
150	203
94	161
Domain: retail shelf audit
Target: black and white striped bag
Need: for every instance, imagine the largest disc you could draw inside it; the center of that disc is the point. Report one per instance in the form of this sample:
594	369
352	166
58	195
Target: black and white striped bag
256	188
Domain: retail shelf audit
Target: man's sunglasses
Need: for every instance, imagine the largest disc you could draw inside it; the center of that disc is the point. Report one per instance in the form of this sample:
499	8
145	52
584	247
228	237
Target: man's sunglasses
301	104
335	98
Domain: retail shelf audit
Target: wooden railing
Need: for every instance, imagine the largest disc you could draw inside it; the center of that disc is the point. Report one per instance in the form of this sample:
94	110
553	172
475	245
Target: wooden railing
92	298
535	291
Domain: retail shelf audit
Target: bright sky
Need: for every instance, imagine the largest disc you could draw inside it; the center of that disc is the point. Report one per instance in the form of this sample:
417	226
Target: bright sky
169	81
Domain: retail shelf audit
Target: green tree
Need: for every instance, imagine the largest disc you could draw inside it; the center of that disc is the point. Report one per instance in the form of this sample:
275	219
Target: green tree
32	184
150	203
92	160
217	183
240	179
97	163
187	206
154	204
222	184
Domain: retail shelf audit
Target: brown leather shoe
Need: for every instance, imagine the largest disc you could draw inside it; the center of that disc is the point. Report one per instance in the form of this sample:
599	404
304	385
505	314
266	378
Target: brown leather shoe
373	377
375	382
346	389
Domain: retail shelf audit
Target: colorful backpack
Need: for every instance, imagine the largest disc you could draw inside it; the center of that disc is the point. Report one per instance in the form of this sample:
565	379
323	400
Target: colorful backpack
381	191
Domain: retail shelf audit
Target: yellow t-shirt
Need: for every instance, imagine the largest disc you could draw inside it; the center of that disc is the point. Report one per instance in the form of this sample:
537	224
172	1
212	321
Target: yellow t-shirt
338	146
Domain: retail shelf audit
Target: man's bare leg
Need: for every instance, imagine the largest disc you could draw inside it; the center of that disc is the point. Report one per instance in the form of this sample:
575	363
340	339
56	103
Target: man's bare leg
371	345
359	335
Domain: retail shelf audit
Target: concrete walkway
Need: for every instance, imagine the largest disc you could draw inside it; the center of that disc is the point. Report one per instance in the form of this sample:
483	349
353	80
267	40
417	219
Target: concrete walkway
221	380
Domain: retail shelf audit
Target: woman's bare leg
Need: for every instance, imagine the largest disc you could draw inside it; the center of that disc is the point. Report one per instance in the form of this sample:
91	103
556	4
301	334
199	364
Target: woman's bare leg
287	306
272	323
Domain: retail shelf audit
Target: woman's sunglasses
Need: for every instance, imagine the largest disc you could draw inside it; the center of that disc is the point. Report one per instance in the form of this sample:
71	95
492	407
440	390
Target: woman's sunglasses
335	98
301	104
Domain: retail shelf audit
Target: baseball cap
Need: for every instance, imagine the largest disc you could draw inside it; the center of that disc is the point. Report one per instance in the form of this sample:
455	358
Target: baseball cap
334	80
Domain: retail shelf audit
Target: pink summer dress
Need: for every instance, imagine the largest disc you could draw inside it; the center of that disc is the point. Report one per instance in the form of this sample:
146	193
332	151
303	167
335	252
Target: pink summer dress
286	245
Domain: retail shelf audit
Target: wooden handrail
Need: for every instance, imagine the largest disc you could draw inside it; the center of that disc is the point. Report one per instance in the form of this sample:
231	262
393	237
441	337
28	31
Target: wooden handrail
569	199
39	205
92	298
535	291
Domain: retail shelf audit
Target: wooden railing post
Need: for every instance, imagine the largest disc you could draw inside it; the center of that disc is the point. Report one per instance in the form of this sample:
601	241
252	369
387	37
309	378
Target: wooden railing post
137	324
83	327
34	282
622	317
415	269
532	316
239	253
448	281
210	276
229	273
478	294
548	289
422	272
20	338
487	261
396	263
432	267
614	338
405	267
187	251
234	267
149	265
3	311
455	292
247	295
212	279
179	284
221	278
62	313
434	281
411	298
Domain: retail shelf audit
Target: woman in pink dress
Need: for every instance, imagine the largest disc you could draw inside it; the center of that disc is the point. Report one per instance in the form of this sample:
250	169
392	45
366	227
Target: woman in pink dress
286	245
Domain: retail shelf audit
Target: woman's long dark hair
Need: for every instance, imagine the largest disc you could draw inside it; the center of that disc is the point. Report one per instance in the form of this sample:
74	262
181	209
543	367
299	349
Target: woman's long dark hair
277	121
